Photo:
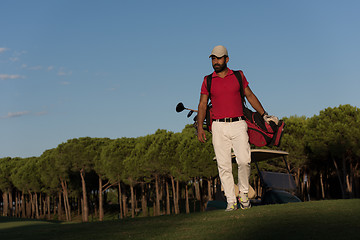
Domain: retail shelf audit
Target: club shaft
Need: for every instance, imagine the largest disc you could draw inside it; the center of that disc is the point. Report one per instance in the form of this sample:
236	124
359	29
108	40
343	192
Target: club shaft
191	109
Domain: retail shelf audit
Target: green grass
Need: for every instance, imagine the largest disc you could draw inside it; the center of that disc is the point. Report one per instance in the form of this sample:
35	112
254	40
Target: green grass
333	219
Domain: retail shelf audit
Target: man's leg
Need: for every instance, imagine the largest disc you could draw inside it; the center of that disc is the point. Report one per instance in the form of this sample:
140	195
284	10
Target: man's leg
241	146
222	148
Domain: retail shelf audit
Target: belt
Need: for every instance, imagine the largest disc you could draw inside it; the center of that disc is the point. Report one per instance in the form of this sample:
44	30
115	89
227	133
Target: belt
235	119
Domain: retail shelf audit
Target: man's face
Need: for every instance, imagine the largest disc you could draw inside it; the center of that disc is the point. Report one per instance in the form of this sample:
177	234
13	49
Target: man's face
219	64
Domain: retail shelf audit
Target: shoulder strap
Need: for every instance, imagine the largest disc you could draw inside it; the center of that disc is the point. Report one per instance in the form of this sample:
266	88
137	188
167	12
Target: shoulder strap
239	78
208	83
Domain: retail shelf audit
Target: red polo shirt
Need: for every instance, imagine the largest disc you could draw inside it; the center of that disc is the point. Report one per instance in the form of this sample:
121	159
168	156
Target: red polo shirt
225	95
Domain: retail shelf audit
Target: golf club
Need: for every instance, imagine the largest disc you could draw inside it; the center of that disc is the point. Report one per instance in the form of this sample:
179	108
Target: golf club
180	107
190	113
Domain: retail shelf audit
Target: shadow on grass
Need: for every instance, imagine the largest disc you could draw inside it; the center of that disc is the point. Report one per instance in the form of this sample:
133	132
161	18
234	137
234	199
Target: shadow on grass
314	220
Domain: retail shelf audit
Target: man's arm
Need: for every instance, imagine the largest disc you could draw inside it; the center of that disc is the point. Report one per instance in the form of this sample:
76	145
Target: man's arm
253	100
201	117
255	103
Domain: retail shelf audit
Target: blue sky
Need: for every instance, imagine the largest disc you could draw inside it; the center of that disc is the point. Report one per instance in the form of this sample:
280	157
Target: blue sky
113	69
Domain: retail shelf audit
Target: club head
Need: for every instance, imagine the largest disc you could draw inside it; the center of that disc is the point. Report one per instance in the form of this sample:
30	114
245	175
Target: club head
180	107
190	113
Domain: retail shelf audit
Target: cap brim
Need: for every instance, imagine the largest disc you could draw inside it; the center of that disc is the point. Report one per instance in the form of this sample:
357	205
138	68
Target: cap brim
216	56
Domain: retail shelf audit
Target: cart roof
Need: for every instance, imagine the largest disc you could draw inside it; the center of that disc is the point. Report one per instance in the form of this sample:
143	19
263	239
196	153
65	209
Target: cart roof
258	155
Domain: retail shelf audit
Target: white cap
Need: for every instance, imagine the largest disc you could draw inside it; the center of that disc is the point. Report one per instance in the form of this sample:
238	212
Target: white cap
219	51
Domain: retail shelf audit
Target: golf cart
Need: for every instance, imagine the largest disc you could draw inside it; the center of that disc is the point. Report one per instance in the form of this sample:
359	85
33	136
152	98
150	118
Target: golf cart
277	188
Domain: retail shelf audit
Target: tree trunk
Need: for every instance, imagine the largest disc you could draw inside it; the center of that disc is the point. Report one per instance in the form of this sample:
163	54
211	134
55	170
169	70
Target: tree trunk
349	184
345	176
167	198
124	199
11	213
37	216
85	202
157	209
66	200
196	195
356	177
53	203
178	196
132	201
23	208
17	204
175	196
339	178
28	206
161	194
297	178
65	207
82	209
210	193
32	207
143	200
41	206
197	189
79	206
322	186
5	204
48	207
60	217
101	207
308	188
187	199
350	180
201	191
120	201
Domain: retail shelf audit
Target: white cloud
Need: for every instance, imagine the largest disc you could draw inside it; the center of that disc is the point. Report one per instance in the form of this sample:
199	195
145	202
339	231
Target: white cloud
23	113
35	68
50	68
65	83
2	50
62	72
15	114
16	56
41	113
9	76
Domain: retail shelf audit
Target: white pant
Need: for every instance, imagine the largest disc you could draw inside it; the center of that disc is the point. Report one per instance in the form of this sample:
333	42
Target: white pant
227	136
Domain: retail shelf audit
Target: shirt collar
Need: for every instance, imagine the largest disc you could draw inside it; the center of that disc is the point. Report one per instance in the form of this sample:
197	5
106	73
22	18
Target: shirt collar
214	75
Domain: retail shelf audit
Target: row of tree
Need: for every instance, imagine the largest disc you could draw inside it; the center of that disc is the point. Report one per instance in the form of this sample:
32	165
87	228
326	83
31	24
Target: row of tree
166	172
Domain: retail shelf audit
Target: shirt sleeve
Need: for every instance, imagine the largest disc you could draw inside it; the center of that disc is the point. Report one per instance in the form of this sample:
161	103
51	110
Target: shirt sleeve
204	87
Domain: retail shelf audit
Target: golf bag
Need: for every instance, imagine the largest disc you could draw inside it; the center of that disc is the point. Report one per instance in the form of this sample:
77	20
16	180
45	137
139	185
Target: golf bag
260	132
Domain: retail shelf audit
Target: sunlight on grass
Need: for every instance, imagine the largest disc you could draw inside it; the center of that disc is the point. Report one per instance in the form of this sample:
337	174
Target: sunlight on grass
13	224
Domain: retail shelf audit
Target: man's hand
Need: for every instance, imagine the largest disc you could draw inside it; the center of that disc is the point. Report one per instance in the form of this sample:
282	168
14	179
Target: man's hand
201	134
201	116
269	118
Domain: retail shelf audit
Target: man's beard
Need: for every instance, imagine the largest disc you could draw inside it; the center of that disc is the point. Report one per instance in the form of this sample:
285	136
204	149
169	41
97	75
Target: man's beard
219	68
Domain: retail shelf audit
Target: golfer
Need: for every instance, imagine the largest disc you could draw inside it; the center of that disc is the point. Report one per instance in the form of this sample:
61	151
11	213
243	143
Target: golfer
229	130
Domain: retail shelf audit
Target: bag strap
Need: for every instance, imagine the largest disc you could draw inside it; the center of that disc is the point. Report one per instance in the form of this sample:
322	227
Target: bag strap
239	78
208	84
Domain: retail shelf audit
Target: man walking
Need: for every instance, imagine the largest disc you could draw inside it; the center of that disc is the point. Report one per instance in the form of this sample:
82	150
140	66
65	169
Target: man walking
229	130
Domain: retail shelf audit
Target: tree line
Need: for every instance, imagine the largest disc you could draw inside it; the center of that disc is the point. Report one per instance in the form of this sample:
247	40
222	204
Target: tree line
171	173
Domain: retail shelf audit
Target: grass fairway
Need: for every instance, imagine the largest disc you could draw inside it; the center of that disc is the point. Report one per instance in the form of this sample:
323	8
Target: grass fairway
334	219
